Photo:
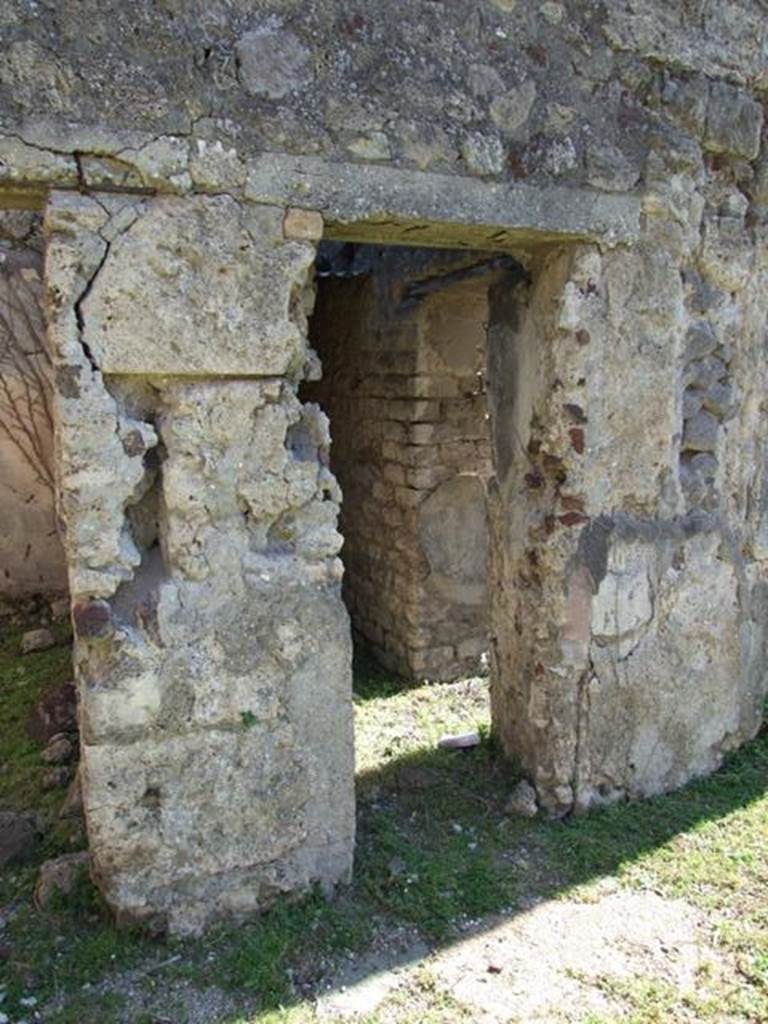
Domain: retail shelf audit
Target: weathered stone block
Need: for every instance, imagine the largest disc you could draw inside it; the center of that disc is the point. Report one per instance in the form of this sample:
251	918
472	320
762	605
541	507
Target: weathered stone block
726	257
692	402
678	698
273	62
623	604
22	163
718	399
700	432
176	293
215	167
610	169
687	100
698	475
734	121
703	373
483	154
303	225
700	340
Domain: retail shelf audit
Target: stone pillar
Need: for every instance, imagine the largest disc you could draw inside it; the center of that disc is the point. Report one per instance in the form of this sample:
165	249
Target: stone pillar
628	598
212	647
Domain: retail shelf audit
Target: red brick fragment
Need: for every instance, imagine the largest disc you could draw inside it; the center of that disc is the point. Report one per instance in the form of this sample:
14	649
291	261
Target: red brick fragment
92	619
576	435
573	519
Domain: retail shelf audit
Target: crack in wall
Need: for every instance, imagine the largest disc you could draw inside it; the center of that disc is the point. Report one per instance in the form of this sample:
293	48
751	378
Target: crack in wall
78	307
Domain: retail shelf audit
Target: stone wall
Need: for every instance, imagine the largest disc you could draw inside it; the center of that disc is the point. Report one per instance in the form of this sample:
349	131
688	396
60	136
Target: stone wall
212	647
629	505
619	153
175	97
31	556
402	345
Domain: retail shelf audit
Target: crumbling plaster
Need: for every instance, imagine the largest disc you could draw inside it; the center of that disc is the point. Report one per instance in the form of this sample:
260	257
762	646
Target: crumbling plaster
212	647
619	153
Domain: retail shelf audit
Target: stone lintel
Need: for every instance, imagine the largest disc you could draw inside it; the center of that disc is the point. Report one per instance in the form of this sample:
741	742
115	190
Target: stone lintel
384	204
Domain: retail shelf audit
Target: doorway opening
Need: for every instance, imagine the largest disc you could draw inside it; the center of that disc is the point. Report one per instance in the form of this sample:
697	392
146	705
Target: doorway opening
401	337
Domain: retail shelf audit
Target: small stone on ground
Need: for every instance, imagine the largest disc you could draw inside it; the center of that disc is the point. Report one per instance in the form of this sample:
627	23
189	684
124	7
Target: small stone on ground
37	640
522	800
19	836
55	712
459	742
59	876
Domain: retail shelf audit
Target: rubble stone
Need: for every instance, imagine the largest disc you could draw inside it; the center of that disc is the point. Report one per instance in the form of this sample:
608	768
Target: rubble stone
55	712
19	837
60	749
522	800
37	640
700	433
59	876
734	121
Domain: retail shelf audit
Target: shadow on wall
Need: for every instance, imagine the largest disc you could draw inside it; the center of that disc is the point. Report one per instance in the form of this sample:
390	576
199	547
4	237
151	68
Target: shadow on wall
31	555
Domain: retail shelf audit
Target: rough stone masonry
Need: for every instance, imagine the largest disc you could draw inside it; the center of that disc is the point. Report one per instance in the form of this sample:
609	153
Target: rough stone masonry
618	154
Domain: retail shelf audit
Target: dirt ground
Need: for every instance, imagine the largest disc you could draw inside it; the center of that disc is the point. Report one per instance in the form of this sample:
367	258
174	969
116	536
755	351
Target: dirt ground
556	961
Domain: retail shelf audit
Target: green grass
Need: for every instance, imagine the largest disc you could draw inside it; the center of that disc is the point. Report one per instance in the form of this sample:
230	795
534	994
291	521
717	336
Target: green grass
434	850
23	679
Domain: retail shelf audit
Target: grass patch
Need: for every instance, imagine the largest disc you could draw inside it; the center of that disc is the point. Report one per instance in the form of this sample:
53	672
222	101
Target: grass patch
91	1008
435	851
23	680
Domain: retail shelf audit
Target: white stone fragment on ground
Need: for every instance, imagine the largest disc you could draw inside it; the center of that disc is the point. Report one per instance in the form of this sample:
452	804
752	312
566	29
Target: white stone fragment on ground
37	640
461	741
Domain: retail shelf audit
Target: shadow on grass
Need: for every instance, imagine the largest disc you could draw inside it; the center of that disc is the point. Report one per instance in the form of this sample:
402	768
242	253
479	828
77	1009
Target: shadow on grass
371	680
435	850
